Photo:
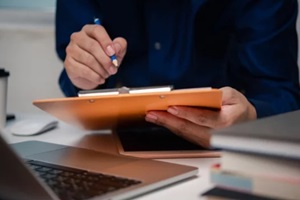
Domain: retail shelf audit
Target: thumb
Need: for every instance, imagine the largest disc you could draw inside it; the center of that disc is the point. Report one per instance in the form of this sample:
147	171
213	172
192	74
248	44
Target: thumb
120	45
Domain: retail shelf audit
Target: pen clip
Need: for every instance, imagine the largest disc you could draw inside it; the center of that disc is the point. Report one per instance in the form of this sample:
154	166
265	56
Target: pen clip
123	90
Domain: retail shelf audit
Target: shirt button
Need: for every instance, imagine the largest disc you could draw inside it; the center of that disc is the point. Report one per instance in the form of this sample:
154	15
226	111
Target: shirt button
157	45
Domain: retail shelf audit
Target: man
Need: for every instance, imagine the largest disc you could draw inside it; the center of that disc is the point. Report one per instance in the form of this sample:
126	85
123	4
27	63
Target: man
247	48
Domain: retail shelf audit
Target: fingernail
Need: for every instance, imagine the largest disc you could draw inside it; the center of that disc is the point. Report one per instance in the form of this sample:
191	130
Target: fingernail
151	117
110	51
117	47
172	110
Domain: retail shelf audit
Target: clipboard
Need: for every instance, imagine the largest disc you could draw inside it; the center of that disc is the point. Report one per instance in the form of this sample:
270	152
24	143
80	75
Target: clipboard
98	109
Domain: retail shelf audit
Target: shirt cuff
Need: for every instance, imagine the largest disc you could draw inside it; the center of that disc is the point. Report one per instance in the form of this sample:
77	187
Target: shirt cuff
263	109
67	86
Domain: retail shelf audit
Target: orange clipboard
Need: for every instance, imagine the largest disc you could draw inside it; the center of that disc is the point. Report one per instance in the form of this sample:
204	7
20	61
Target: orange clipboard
95	112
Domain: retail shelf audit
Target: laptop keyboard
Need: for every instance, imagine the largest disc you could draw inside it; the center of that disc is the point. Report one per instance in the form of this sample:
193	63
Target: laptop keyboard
75	184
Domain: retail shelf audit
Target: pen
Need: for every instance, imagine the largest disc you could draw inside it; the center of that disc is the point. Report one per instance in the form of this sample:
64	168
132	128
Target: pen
113	57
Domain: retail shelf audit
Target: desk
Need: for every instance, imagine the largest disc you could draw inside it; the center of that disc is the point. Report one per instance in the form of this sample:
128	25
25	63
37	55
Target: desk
102	141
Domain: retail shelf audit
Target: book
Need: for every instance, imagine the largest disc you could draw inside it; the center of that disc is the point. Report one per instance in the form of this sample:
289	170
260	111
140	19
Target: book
260	165
219	193
261	185
276	136
260	157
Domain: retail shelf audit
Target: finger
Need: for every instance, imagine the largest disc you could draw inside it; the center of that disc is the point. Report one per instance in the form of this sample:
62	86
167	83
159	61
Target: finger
78	73
194	133
84	57
120	45
229	96
238	105
99	33
84	83
91	45
200	116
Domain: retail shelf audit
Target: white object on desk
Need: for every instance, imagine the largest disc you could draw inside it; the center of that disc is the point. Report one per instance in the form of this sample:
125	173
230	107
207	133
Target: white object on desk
33	126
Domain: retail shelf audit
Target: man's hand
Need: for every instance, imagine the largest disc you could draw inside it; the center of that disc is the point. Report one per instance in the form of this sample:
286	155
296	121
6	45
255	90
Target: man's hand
88	62
194	124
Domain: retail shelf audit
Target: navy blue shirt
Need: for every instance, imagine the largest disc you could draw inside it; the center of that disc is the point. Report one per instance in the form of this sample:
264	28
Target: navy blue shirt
249	45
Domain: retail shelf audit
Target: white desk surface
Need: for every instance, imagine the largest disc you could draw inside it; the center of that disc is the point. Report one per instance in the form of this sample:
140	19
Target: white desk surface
67	135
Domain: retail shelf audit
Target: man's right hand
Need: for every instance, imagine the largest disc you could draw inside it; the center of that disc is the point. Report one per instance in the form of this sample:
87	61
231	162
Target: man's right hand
88	62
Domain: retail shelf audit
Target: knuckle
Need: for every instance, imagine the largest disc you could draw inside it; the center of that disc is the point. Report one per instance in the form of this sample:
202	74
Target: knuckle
96	29
100	80
85	27
74	36
67	62
124	42
69	49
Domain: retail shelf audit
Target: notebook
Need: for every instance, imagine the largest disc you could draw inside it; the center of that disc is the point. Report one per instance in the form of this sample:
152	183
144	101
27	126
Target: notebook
263	136
157	142
38	170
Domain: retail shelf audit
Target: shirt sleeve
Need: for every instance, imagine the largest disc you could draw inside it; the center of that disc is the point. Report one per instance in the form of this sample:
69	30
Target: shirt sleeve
265	66
70	17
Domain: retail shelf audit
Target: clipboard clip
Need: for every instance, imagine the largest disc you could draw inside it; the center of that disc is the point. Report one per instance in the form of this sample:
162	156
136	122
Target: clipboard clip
124	90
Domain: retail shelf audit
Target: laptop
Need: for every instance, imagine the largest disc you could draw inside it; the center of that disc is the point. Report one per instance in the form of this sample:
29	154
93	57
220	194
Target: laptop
38	170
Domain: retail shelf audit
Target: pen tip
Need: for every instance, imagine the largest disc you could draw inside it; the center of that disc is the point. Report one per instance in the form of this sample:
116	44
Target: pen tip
115	62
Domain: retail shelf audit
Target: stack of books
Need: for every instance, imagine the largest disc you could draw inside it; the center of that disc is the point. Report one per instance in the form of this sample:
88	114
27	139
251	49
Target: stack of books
260	159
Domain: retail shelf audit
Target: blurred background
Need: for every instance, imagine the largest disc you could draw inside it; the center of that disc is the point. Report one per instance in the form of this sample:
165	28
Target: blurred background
27	51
